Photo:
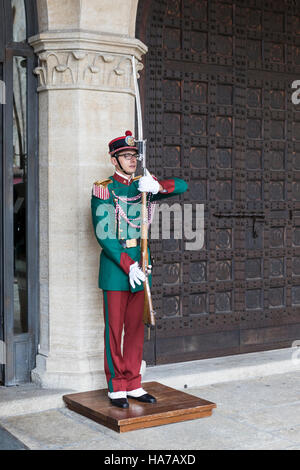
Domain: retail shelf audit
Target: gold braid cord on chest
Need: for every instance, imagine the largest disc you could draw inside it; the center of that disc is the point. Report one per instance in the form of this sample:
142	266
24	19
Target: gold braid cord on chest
132	200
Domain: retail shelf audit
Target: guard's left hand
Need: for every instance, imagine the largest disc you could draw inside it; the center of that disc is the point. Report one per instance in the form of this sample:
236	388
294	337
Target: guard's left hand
136	275
147	184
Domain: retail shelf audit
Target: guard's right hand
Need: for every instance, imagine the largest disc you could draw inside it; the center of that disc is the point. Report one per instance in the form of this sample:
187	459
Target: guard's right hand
136	275
148	184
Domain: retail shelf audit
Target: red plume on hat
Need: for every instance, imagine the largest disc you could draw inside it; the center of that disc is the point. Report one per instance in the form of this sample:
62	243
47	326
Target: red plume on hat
122	143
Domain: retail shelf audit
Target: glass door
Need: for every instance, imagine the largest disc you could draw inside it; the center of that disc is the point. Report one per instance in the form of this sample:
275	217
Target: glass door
2	100
19	195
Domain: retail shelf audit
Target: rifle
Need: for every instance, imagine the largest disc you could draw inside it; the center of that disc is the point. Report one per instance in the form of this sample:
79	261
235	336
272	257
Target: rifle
149	314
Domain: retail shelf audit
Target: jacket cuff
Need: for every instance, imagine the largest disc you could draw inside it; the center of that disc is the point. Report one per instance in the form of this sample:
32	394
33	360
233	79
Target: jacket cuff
126	262
168	186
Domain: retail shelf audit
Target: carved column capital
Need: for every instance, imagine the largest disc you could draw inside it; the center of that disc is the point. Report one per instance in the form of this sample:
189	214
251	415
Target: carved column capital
77	60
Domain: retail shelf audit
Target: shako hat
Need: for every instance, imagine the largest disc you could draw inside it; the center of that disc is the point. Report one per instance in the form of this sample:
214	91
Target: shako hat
122	143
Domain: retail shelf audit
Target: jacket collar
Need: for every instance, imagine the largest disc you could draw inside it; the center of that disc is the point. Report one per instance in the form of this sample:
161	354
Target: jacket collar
127	180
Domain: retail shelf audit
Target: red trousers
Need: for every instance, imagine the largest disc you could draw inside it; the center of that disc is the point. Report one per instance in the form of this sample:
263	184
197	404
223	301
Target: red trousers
123	308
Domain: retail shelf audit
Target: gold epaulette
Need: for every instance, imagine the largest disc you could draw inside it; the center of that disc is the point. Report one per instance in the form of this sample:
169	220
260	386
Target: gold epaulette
103	182
100	189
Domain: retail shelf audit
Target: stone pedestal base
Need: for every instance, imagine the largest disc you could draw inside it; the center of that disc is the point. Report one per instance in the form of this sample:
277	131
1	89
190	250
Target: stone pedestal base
82	375
52	373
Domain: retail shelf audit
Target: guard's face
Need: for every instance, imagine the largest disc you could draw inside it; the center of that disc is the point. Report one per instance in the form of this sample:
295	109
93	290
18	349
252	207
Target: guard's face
128	160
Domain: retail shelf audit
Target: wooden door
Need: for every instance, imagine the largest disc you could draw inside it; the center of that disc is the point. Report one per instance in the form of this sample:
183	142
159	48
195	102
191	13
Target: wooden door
218	113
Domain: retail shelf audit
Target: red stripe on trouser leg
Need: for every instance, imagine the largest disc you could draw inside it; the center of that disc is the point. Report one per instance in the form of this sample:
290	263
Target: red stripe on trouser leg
124	308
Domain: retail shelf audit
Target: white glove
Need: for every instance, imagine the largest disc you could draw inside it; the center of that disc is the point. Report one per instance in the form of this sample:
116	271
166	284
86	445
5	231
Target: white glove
136	275
148	184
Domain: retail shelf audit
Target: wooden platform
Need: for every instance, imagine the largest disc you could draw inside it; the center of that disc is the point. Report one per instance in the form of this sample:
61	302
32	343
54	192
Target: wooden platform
172	406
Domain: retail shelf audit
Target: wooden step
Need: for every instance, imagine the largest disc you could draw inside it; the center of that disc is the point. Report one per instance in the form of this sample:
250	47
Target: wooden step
172	406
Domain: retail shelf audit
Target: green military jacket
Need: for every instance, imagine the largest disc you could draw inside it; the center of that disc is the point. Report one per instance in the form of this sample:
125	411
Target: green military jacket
114	202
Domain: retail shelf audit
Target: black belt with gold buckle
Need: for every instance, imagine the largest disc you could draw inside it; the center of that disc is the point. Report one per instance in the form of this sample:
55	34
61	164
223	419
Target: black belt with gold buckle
131	243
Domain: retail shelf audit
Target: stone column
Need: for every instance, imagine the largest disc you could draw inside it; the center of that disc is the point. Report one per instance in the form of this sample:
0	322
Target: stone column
86	98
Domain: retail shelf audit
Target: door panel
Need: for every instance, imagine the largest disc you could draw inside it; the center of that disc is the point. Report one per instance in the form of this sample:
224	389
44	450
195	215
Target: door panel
1	246
1	198
19	186
218	113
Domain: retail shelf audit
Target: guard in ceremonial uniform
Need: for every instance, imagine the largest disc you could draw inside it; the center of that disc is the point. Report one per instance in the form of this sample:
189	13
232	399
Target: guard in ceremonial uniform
115	208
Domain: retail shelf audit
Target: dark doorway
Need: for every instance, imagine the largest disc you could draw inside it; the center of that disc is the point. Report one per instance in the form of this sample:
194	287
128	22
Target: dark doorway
19	192
218	113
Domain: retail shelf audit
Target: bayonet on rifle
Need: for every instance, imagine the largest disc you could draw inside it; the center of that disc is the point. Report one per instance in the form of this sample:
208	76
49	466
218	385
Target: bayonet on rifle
149	314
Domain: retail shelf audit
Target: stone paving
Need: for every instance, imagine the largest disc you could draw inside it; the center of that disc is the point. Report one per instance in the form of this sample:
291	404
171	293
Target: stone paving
8	442
257	414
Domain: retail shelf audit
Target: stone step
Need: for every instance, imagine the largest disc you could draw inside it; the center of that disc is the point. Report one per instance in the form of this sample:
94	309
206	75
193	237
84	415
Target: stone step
29	398
204	372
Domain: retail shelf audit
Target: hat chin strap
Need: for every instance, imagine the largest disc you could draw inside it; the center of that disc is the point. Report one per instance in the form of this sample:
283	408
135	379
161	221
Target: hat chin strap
117	158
